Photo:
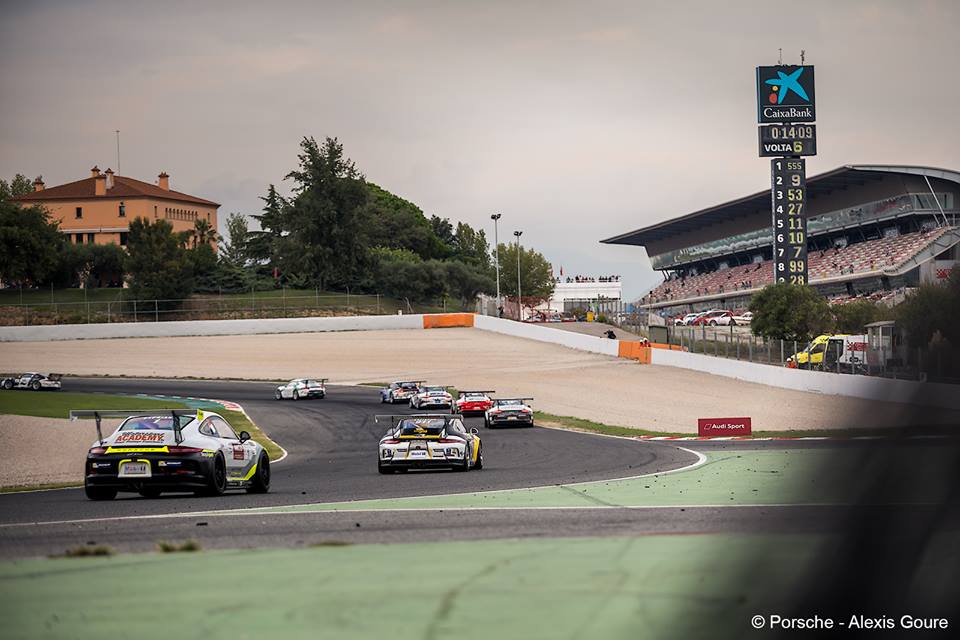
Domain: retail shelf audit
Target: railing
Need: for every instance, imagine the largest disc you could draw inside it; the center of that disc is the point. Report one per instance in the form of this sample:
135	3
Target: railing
258	304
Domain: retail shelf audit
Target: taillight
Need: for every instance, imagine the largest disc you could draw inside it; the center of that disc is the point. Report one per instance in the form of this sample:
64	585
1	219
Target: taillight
179	451
448	441
98	451
391	442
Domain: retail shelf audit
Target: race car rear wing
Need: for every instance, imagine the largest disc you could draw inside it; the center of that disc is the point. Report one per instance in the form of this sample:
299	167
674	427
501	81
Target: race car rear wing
98	415
499	400
475	393
446	417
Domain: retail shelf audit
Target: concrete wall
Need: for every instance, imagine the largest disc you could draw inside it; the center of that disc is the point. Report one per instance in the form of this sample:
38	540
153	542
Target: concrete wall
544	334
925	393
206	328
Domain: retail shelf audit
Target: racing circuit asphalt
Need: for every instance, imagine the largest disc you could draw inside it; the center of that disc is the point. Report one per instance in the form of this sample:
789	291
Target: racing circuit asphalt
331	447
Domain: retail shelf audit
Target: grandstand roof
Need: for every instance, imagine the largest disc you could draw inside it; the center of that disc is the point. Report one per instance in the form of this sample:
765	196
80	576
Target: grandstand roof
822	184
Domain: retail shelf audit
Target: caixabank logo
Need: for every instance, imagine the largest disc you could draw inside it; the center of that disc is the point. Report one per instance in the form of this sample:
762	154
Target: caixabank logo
785	94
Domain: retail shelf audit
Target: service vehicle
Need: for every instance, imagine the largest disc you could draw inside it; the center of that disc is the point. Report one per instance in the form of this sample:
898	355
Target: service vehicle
400	391
509	411
301	388
428	441
432	398
841	352
33	382
473	402
172	450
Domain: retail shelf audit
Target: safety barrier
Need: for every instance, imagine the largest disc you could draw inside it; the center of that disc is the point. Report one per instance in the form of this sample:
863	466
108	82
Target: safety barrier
444	320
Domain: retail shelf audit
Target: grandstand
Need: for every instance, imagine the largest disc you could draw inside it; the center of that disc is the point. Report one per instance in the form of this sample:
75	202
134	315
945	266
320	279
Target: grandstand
873	231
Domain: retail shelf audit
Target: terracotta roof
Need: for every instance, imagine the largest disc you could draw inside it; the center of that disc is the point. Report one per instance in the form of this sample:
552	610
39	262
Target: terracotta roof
123	187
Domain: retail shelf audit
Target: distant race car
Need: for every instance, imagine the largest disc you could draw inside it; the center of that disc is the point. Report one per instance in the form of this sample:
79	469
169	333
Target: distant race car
302	388
427	441
400	391
473	402
156	451
432	398
33	381
509	411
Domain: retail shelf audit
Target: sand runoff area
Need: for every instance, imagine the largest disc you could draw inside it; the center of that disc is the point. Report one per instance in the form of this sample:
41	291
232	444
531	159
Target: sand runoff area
562	381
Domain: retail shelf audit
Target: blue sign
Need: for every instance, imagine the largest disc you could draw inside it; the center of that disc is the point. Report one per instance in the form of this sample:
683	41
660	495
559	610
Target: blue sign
785	94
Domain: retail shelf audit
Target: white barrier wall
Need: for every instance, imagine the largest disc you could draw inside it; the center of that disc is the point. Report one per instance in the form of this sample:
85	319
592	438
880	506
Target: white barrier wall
569	339
925	393
207	328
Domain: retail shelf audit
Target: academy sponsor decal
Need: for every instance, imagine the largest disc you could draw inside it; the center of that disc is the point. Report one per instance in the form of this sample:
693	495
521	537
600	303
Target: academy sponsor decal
139	436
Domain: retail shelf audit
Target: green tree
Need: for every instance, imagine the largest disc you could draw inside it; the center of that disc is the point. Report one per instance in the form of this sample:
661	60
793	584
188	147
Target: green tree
234	249
204	233
157	262
395	223
854	316
471	247
790	312
444	232
326	215
466	281
20	185
931	313
30	244
536	274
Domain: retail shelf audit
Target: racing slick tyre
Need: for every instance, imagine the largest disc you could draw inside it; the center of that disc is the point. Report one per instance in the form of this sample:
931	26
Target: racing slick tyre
149	493
465	466
8	384
261	479
479	463
384	469
217	483
99	493
296	394
36	385
277	395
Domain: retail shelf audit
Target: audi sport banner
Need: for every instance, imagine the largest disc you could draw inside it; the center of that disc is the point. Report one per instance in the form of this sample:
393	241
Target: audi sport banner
724	427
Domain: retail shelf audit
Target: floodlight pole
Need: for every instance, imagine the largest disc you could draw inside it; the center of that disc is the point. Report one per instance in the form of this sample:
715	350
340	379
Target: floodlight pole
519	293
496	250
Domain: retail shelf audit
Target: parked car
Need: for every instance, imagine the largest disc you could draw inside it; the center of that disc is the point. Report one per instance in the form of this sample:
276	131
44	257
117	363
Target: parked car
687	320
712	318
733	319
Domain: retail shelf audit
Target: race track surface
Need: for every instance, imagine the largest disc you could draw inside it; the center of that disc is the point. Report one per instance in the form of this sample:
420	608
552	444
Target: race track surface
332	447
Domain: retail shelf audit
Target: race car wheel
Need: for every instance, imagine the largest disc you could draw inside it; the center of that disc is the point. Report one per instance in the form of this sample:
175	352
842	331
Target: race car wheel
296	394
733	323
217	482
277	395
479	462
99	493
465	465
8	384
261	479
36	385
149	493
384	469
713	323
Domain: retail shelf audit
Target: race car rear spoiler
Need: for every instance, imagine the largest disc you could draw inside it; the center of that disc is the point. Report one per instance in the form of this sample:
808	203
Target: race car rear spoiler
98	415
475	393
447	417
514	399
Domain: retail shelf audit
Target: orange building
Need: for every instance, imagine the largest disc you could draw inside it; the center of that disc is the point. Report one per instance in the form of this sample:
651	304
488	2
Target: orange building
98	209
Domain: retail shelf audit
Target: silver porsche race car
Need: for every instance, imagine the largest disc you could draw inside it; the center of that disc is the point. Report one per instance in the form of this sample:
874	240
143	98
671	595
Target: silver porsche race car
425	441
33	382
400	391
159	450
432	398
509	411
302	388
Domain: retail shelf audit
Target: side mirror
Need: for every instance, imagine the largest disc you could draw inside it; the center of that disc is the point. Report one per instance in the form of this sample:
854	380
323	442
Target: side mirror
475	431
244	436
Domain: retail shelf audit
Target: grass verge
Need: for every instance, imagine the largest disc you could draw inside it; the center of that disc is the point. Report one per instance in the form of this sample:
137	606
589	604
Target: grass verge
581	424
240	422
57	404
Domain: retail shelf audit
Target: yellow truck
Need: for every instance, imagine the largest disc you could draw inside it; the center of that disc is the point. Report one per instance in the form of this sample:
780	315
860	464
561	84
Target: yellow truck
838	352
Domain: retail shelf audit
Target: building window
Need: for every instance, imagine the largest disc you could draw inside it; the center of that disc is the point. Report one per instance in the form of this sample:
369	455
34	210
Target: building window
79	238
123	238
79	213
154	211
91	238
123	210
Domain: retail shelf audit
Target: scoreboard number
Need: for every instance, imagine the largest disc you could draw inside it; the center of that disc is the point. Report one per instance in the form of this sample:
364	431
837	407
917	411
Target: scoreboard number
789	219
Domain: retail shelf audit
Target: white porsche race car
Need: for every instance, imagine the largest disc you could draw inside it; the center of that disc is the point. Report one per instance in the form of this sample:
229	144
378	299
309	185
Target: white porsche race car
400	391
432	398
301	388
425	441
509	411
156	451
33	382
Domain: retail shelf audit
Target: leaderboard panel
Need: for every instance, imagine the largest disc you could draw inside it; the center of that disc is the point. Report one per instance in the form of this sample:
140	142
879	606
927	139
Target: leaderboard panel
789	194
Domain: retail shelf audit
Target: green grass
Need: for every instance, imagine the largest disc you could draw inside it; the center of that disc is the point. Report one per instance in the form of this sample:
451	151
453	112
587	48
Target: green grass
581	424
240	422
57	404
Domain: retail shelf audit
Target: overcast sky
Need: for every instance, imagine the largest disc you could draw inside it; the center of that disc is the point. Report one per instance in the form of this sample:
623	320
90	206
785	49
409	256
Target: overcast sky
576	121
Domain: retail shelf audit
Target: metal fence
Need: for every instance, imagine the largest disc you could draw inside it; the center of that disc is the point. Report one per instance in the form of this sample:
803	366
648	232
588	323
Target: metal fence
256	304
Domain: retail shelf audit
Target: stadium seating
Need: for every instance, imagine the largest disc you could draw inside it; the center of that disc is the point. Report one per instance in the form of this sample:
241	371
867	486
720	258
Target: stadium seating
859	258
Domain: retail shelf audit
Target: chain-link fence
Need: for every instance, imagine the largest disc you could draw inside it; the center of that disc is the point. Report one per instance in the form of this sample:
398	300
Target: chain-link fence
256	304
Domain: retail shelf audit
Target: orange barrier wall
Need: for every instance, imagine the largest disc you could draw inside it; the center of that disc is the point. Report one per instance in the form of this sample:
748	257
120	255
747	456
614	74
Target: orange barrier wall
443	320
634	351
